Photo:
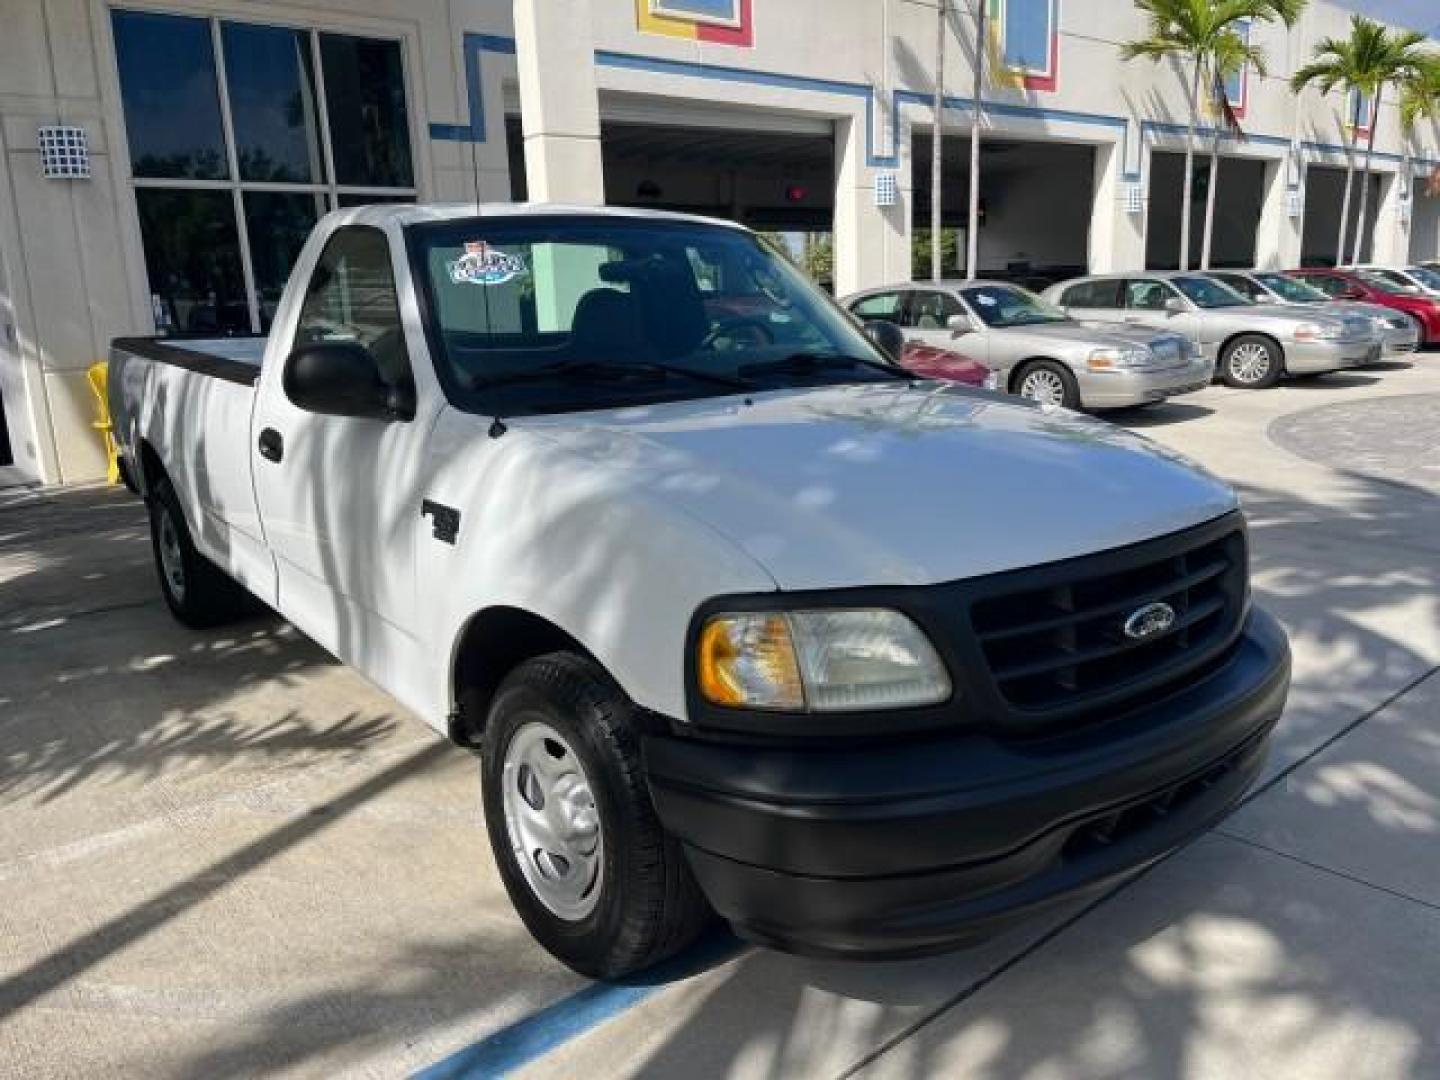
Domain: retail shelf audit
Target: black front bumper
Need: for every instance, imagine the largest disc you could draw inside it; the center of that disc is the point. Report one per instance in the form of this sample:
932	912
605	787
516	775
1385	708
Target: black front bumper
926	843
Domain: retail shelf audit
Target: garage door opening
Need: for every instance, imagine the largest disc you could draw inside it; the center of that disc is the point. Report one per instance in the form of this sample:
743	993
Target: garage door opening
777	182
1324	195
1035	205
1425	220
1238	201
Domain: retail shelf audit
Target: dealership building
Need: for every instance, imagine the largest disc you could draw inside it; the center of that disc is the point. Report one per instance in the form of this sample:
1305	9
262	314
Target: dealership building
164	159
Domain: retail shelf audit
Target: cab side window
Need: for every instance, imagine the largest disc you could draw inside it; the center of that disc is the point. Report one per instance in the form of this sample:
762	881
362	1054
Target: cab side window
886	307
1243	285
1147	295
1331	286
1092	294
351	297
930	310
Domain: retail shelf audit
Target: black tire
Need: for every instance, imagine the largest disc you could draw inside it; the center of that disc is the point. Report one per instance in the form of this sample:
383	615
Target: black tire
198	593
1240	367
1057	378
647	905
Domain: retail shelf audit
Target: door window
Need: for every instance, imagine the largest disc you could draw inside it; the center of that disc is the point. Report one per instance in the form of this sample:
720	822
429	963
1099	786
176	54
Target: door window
1243	285
1093	294
885	307
1147	295
351	297
1328	284
931	310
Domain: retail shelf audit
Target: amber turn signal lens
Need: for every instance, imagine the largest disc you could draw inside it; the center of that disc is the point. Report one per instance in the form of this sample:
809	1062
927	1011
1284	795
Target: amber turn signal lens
749	661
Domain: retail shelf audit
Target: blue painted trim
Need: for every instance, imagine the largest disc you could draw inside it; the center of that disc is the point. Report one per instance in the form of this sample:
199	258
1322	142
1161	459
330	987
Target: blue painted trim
527	1040
473	45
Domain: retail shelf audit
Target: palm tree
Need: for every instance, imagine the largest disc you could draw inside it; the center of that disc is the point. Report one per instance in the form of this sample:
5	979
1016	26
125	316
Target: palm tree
1364	64
1198	33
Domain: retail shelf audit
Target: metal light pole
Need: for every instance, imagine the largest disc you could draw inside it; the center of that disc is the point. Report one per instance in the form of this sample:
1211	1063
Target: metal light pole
972	228
937	138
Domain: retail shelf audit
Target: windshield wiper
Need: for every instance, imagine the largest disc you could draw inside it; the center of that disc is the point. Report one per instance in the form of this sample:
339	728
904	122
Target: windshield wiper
807	363
599	369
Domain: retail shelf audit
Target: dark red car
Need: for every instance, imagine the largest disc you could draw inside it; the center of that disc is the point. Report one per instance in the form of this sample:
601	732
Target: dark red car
1358	285
930	362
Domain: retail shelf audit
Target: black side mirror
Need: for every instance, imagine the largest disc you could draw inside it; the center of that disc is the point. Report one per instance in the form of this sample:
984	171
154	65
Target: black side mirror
343	378
887	337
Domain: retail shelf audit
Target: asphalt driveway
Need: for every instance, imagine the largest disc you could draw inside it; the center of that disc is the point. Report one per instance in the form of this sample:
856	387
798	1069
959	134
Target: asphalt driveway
223	854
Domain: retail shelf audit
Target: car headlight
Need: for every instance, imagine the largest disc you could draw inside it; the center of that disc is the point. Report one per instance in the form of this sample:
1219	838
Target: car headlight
1115	359
1318	331
840	660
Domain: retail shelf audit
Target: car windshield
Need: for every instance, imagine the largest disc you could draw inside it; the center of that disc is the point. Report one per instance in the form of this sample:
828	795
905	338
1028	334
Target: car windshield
1386	279
1208	293
1000	306
1429	278
1287	288
533	314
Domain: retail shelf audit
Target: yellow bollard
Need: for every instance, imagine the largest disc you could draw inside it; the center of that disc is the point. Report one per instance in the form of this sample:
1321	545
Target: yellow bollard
97	377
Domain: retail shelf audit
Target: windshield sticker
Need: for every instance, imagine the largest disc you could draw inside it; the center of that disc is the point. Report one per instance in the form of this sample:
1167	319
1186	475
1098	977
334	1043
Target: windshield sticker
484	265
988	301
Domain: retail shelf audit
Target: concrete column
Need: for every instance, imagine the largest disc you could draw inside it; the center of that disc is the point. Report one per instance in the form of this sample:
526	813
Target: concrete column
1392	229
1117	236
559	104
872	243
1278	236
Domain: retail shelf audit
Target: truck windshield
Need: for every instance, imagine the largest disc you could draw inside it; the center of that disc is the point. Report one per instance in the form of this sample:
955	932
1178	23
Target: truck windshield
533	314
1288	288
1000	306
1206	292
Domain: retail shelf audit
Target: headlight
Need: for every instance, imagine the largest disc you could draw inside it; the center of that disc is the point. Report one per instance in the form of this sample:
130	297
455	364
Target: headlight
1318	331
1113	359
841	660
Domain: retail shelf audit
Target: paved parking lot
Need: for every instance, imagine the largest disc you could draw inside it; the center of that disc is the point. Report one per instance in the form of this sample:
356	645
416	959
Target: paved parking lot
224	855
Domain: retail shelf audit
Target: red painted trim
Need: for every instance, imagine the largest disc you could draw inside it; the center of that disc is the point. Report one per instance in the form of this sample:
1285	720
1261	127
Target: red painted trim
1048	83
742	35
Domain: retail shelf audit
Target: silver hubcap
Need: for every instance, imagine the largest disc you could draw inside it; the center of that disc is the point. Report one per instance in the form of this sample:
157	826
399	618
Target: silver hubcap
552	822
1043	386
1250	362
172	562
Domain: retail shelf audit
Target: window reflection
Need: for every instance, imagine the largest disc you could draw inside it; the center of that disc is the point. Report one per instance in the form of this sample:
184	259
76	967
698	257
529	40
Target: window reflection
192	260
277	223
272	103
365	97
171	98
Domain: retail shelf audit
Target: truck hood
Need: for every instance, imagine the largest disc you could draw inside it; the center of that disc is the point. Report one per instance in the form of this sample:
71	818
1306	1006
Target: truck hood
885	484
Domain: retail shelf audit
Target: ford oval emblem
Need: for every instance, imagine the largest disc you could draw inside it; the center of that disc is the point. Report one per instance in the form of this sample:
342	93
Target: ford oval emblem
1149	621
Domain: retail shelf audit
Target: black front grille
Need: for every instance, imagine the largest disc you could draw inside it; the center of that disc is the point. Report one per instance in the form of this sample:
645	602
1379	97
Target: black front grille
1060	646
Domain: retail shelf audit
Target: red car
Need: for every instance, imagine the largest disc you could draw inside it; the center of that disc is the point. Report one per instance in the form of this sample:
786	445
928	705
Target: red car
930	362
1358	285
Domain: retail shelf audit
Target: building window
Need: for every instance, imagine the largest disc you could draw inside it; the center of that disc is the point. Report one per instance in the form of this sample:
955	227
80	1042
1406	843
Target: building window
241	136
1237	84
1026	30
1361	108
715	12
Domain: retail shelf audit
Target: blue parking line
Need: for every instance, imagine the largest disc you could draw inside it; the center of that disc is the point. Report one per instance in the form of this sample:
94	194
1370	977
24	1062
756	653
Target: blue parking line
524	1041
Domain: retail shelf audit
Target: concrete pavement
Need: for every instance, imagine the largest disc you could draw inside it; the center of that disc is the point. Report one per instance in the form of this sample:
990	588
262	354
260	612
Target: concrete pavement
222	854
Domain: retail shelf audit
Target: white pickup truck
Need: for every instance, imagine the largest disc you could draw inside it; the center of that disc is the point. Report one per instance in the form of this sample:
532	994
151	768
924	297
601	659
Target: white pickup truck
740	618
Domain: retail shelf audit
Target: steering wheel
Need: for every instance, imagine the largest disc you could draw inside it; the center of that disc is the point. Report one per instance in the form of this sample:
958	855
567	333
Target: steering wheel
727	327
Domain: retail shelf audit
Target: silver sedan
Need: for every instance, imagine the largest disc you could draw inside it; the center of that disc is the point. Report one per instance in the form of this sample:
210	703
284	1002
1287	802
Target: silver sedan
1037	351
1398	333
1253	345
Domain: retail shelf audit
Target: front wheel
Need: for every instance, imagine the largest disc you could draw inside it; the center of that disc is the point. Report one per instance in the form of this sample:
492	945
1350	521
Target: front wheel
1252	362
590	870
1048	383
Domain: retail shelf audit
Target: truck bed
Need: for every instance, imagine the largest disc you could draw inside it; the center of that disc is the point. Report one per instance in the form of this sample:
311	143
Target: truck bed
234	359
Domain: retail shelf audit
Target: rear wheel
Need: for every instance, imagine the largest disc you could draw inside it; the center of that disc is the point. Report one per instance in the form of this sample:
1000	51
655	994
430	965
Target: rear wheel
1252	362
197	591
590	870
1048	383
